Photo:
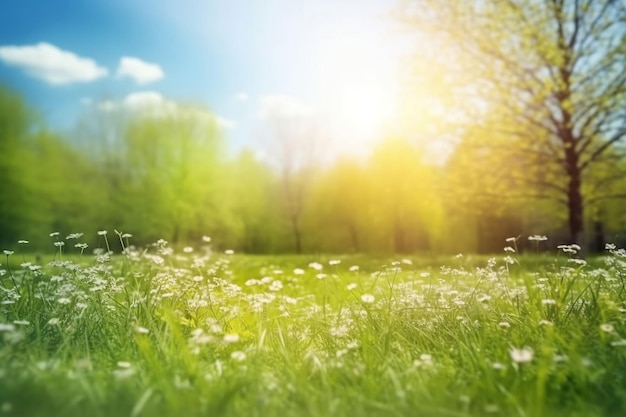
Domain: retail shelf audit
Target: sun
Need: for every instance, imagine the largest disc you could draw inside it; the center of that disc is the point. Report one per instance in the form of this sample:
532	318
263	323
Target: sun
363	108
357	79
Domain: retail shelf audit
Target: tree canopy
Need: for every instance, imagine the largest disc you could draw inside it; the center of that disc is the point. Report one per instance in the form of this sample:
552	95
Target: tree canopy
545	83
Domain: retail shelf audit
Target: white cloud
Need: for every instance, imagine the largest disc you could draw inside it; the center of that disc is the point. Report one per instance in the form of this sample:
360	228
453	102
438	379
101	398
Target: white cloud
146	100
280	106
140	71
148	103
153	104
51	64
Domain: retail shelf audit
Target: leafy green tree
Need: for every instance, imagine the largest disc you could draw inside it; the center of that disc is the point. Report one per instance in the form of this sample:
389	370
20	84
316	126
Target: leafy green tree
294	148
485	201
172	166
551	75
18	177
251	190
406	207
338	215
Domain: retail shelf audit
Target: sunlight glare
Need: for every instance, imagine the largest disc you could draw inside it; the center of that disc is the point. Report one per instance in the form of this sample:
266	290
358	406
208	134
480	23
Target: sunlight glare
357	71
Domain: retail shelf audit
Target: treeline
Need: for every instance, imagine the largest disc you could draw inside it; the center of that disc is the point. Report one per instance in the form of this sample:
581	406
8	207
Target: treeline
169	176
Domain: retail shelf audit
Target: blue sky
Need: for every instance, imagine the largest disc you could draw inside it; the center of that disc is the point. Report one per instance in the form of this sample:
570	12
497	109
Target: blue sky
336	58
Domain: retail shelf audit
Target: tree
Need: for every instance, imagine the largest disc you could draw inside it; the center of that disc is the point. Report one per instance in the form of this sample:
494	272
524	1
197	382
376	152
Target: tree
476	212
160	165
15	121
406	208
173	165
295	144
339	215
551	74
251	193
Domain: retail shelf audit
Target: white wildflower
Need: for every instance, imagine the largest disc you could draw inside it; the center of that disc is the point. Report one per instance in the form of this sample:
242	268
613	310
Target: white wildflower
522	355
276	286
607	327
123	373
7	327
316	265
368	298
508	260
231	338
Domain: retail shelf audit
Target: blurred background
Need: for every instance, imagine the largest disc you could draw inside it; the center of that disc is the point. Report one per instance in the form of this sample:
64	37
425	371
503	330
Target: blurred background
330	126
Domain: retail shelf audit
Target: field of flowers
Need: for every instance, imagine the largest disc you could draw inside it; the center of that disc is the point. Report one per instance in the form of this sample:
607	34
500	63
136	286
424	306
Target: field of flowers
191	332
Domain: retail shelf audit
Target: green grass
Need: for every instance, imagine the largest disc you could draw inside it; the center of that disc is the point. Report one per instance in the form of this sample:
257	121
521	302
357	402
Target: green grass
165	333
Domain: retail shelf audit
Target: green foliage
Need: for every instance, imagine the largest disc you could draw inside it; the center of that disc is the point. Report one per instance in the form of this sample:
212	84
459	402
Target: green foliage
542	93
168	175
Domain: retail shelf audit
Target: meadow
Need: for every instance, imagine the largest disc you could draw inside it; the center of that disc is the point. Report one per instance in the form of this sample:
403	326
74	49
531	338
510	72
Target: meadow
163	331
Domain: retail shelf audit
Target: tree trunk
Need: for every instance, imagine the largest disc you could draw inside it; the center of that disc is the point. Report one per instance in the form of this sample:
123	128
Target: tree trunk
567	136
598	236
399	244
354	236
295	228
575	209
575	206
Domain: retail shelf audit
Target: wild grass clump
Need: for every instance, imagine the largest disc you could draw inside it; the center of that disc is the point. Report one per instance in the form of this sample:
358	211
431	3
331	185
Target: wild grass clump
159	332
